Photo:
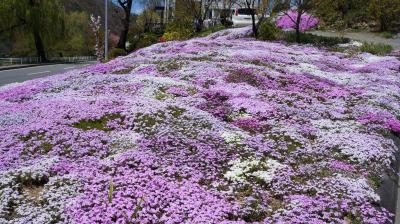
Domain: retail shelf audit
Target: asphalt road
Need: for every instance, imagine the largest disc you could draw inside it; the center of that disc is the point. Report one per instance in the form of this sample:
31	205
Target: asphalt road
24	74
363	37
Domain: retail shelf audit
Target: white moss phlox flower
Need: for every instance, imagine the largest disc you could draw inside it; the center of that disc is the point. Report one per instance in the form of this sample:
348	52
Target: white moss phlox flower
233	137
124	140
268	175
264	170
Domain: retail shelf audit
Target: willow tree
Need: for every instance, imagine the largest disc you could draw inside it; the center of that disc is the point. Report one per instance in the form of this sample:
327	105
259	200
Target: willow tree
44	19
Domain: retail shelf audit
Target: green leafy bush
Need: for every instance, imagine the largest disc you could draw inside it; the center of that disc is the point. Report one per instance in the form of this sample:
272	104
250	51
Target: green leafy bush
171	36
377	49
178	30
342	14
211	30
143	40
387	35
307	38
116	52
268	31
386	13
147	39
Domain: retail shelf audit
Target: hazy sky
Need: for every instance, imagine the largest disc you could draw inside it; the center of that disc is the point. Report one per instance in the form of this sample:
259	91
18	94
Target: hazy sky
137	6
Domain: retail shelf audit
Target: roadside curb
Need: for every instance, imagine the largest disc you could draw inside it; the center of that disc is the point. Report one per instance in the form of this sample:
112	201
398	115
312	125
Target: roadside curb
397	190
24	66
389	190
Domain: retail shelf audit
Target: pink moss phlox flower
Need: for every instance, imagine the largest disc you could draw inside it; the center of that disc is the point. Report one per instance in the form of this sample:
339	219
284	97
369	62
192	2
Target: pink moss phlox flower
177	91
394	125
249	124
219	129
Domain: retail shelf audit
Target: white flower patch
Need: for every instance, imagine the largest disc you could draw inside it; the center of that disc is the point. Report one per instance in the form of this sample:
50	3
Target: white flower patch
153	84
367	58
123	141
268	175
304	68
239	169
370	58
352	44
233	137
282	129
357	189
232	33
328	126
237	89
11	85
66	187
338	77
263	170
14	118
31	203
36	171
349	138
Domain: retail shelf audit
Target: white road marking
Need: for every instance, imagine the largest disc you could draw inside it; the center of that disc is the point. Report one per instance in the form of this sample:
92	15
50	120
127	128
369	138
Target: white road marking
37	73
69	67
27	68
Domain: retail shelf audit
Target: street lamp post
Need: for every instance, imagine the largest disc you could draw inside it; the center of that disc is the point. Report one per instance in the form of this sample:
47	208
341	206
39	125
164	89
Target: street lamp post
106	31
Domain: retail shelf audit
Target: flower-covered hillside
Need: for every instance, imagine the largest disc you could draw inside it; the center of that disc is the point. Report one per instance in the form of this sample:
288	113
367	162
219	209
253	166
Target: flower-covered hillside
222	129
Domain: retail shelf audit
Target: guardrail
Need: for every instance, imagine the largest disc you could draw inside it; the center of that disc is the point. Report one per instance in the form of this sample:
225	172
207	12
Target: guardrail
15	61
38	60
73	59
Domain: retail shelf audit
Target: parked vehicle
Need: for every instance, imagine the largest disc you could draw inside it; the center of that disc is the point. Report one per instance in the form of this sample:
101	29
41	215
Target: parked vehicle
242	17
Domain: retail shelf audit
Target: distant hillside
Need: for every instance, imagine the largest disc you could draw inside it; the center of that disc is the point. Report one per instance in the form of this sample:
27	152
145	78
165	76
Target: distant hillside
96	7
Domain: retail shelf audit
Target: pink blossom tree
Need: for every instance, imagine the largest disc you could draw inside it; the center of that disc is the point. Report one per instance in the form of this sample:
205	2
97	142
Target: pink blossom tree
95	25
288	21
296	16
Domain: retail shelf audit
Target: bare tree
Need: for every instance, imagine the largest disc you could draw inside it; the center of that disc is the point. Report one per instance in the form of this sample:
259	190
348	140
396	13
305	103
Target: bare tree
227	8
263	9
147	20
250	4
126	5
302	7
198	9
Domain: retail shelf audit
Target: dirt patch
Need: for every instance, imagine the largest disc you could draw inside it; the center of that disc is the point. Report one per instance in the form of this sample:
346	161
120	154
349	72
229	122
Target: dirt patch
33	191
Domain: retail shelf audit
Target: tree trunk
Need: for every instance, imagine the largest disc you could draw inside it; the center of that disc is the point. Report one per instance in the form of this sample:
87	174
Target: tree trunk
255	28
41	53
298	21
199	25
123	37
382	23
250	6
297	34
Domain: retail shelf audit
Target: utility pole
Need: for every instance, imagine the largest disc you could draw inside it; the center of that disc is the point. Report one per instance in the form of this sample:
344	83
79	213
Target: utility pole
106	31
166	11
